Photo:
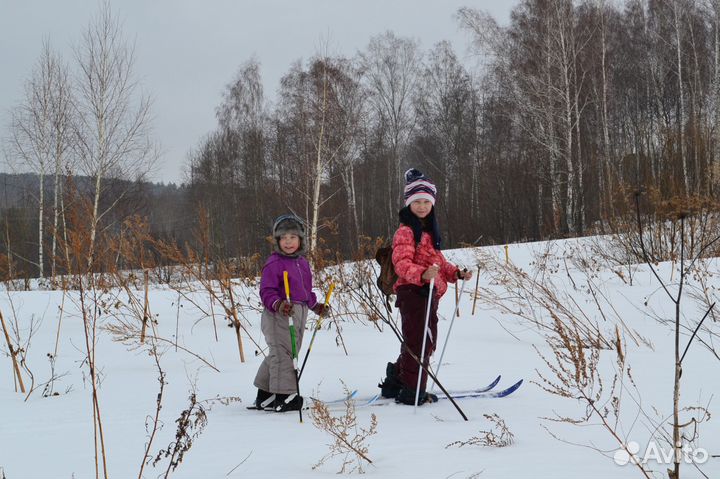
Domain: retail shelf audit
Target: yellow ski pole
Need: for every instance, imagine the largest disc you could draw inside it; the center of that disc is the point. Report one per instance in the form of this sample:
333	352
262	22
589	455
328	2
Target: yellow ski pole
318	325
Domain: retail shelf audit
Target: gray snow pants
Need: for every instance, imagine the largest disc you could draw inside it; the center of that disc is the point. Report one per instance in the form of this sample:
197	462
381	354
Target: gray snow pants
276	374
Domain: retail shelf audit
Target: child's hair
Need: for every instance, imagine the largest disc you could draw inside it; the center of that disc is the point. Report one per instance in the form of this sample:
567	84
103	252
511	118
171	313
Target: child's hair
407	218
289	224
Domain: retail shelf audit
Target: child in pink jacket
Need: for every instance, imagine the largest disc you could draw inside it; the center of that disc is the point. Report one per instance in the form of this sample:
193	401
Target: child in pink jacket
417	259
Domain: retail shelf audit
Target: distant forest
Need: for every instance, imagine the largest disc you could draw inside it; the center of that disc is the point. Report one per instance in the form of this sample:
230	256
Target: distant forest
547	131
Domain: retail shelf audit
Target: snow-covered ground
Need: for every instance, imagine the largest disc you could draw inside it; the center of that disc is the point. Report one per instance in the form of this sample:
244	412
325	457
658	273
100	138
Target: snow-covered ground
53	436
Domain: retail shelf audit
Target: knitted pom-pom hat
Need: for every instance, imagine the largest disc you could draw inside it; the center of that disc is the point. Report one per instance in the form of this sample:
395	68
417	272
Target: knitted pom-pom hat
418	187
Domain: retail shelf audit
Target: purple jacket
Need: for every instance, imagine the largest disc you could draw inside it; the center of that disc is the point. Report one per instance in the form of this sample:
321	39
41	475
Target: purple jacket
272	286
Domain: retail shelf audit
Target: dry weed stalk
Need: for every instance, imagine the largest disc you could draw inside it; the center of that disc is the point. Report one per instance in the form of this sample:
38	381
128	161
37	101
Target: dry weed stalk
130	326
13	352
352	281
705	295
90	316
686	212
360	298
535	298
226	285
350	440
155	419
190	424
81	264
195	266
574	374
662	233
61	310
127	322
49	386
499	435
19	354
23	339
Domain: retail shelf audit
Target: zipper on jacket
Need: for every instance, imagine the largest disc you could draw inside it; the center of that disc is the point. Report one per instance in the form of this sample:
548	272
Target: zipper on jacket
302	280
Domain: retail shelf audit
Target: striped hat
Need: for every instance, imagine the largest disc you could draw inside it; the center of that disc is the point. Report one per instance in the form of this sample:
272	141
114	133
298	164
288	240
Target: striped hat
418	187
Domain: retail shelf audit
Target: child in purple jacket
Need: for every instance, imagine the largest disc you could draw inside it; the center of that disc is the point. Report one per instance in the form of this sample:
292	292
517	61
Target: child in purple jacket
275	378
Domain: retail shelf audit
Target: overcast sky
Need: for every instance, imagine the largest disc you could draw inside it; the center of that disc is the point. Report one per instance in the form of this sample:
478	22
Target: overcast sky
187	51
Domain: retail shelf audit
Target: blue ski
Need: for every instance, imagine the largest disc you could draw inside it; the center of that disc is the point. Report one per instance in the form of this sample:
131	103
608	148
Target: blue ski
352	394
485	392
481	390
378	400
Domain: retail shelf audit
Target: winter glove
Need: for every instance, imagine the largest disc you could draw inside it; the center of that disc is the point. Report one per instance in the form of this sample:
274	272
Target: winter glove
464	274
321	309
285	308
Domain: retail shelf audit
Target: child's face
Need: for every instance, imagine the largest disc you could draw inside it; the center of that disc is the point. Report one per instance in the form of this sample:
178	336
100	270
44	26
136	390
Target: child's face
421	208
289	243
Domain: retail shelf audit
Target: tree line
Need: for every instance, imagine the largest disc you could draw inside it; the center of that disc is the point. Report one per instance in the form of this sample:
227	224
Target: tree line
542	132
567	109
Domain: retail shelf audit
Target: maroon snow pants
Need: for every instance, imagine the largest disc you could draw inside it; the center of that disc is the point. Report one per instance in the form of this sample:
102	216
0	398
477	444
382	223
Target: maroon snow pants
412	303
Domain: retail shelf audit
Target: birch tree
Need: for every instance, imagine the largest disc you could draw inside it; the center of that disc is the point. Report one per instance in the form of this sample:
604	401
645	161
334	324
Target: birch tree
323	156
243	114
390	66
538	57
62	120
318	110
442	110
563	53
113	117
597	22
715	164
523	63
350	124
39	135
678	13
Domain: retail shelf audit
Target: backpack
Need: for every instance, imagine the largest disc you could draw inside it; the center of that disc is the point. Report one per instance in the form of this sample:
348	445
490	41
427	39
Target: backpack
387	277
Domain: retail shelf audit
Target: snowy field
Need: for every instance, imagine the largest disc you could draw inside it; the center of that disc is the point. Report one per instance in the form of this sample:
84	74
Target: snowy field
53	436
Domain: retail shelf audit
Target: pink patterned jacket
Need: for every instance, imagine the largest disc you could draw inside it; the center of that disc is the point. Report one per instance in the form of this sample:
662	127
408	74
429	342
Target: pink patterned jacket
411	261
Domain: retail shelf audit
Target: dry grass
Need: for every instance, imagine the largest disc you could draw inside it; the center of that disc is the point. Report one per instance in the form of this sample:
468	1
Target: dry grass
190	425
350	440
573	372
499	435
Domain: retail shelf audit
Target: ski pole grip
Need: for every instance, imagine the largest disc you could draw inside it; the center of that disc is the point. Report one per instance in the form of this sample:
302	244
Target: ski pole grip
318	325
287	285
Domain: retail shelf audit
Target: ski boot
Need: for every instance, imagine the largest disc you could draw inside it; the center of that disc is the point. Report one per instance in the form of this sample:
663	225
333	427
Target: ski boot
391	386
407	396
264	399
288	402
